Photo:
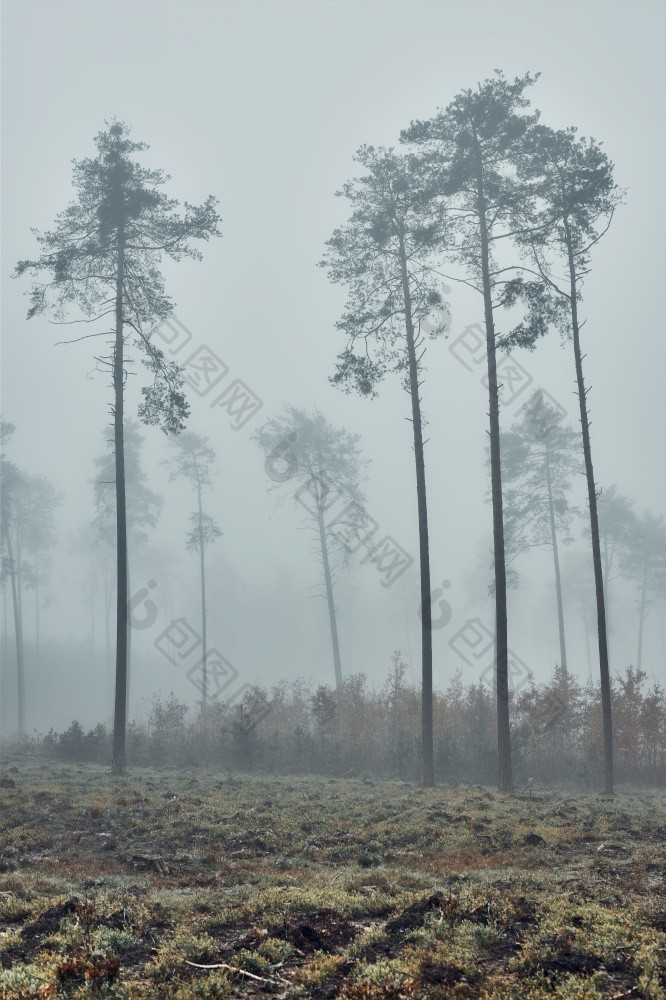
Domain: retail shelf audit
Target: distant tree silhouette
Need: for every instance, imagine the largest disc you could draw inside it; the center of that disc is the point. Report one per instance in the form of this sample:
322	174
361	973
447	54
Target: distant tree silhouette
193	460
643	560
27	507
538	460
318	460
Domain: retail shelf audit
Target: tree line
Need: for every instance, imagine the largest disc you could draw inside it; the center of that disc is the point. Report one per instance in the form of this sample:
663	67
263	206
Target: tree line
483	194
363	731
487	195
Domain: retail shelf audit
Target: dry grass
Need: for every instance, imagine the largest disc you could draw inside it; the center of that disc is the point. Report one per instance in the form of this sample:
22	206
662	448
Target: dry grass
297	887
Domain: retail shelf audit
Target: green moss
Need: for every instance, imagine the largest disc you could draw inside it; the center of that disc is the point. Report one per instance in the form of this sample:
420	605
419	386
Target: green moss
360	891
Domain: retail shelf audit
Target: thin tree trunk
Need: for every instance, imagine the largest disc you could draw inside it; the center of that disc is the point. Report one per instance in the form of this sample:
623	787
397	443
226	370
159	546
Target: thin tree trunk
5	631
641	616
501	629
594	525
204	641
587	647
129	645
19	576
558	579
92	629
18	631
606	562
566	733
91	579
120	709
328	581
408	630
107	638
428	762
607	566
36	612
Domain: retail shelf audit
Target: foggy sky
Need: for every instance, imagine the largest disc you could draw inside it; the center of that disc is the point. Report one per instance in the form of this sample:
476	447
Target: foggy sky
263	105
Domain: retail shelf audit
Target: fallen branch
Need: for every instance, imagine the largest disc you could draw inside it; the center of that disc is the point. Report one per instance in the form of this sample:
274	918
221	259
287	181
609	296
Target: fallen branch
241	972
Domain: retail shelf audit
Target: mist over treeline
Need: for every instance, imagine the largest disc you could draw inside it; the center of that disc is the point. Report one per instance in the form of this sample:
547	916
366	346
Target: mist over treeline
71	679
467	246
67	579
363	731
332	519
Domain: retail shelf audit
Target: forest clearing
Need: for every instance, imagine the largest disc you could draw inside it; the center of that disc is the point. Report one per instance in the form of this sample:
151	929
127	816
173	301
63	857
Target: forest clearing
301	887
332	524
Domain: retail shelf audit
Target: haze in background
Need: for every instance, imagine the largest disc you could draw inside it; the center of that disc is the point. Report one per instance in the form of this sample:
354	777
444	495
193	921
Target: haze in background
263	105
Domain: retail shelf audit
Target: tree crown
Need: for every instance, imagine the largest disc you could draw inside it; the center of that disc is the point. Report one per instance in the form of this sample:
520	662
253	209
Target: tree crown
394	222
115	234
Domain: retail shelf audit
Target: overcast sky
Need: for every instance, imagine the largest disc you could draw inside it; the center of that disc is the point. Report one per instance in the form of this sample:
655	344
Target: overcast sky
263	104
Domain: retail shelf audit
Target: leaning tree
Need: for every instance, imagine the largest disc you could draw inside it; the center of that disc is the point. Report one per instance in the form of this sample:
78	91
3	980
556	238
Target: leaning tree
385	255
103	257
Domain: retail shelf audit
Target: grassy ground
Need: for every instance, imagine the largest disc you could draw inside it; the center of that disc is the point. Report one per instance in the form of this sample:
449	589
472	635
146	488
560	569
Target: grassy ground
303	887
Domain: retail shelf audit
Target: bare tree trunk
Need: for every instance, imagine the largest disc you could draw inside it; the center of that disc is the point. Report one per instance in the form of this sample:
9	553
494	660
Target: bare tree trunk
566	734
594	525
120	709
5	631
204	640
558	579
19	578
18	631
91	578
328	581
607	561
107	638
501	628
408	630
36	612
129	646
587	647
428	762
641	616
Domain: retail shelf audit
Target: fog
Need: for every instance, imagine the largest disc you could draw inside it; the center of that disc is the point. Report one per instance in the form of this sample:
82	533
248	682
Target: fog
263	105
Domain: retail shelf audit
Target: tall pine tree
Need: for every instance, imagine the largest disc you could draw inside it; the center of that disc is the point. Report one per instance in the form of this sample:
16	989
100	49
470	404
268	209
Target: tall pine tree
103	257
